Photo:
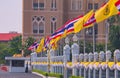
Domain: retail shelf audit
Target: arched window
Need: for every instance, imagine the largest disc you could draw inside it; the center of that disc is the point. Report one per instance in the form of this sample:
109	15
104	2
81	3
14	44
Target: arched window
41	27
38	24
53	24
35	27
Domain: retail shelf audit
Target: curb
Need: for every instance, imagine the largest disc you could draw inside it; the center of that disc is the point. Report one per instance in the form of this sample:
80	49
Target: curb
41	75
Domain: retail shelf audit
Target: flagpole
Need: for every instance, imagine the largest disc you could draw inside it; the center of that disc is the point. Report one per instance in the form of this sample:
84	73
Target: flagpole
94	71
106	39
106	33
48	55
93	32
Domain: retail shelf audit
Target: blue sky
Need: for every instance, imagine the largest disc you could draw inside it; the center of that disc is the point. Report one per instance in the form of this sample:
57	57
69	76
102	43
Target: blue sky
10	16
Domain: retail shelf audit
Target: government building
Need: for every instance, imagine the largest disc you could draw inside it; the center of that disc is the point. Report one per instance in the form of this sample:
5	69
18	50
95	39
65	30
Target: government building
43	17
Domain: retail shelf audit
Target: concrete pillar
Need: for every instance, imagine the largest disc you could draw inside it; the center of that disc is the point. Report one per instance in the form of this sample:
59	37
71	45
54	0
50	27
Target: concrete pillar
91	56
75	54
51	59
116	59
81	57
85	60
101	58
108	57
66	51
95	60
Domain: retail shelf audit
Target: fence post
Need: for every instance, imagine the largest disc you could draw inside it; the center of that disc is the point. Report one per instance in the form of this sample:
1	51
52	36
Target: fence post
116	59
95	60
75	54
66	51
101	58
90	60
81	57
108	57
85	60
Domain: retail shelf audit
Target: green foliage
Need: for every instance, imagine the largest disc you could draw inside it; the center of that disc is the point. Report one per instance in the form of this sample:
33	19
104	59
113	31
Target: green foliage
114	36
100	47
4	51
76	77
48	74
15	45
89	47
29	41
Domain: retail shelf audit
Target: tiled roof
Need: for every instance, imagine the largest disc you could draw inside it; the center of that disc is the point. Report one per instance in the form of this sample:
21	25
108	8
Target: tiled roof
8	36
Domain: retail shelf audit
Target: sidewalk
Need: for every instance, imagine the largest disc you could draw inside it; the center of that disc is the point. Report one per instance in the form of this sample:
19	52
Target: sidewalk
42	75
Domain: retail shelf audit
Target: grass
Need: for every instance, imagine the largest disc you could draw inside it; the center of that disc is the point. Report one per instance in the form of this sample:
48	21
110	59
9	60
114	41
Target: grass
48	74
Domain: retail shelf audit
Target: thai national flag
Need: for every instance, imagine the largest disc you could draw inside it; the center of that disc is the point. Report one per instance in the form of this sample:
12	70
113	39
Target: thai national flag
34	45
117	4
90	21
57	33
69	26
46	43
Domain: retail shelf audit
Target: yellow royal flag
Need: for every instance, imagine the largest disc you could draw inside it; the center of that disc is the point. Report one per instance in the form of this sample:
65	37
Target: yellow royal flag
41	45
109	9
54	43
54	46
78	26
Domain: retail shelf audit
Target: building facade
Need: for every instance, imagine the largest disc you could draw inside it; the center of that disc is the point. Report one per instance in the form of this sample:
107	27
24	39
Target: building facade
43	17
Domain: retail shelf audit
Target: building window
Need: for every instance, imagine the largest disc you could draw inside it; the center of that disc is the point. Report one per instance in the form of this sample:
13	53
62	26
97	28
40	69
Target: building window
41	6
90	6
35	27
41	27
53	24
35	4
38	24
53	5
38	4
80	4
96	29
74	4
17	63
96	6
89	31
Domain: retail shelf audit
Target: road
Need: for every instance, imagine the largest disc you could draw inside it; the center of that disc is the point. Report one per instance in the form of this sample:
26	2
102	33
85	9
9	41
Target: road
4	74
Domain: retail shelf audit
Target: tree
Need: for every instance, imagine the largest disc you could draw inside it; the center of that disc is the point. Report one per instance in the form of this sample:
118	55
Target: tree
15	45
114	36
28	42
4	51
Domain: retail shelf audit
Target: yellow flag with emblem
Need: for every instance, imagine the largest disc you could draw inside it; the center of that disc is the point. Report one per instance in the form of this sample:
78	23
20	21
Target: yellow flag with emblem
78	26
109	9
54	44
41	45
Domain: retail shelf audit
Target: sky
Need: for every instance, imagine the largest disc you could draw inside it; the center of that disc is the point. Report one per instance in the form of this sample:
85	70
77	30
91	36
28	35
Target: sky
10	16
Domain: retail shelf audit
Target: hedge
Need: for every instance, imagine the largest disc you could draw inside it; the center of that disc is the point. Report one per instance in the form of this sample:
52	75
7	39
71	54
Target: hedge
48	74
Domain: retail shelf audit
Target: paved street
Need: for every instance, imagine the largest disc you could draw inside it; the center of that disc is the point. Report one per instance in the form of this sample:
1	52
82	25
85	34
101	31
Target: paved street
17	75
